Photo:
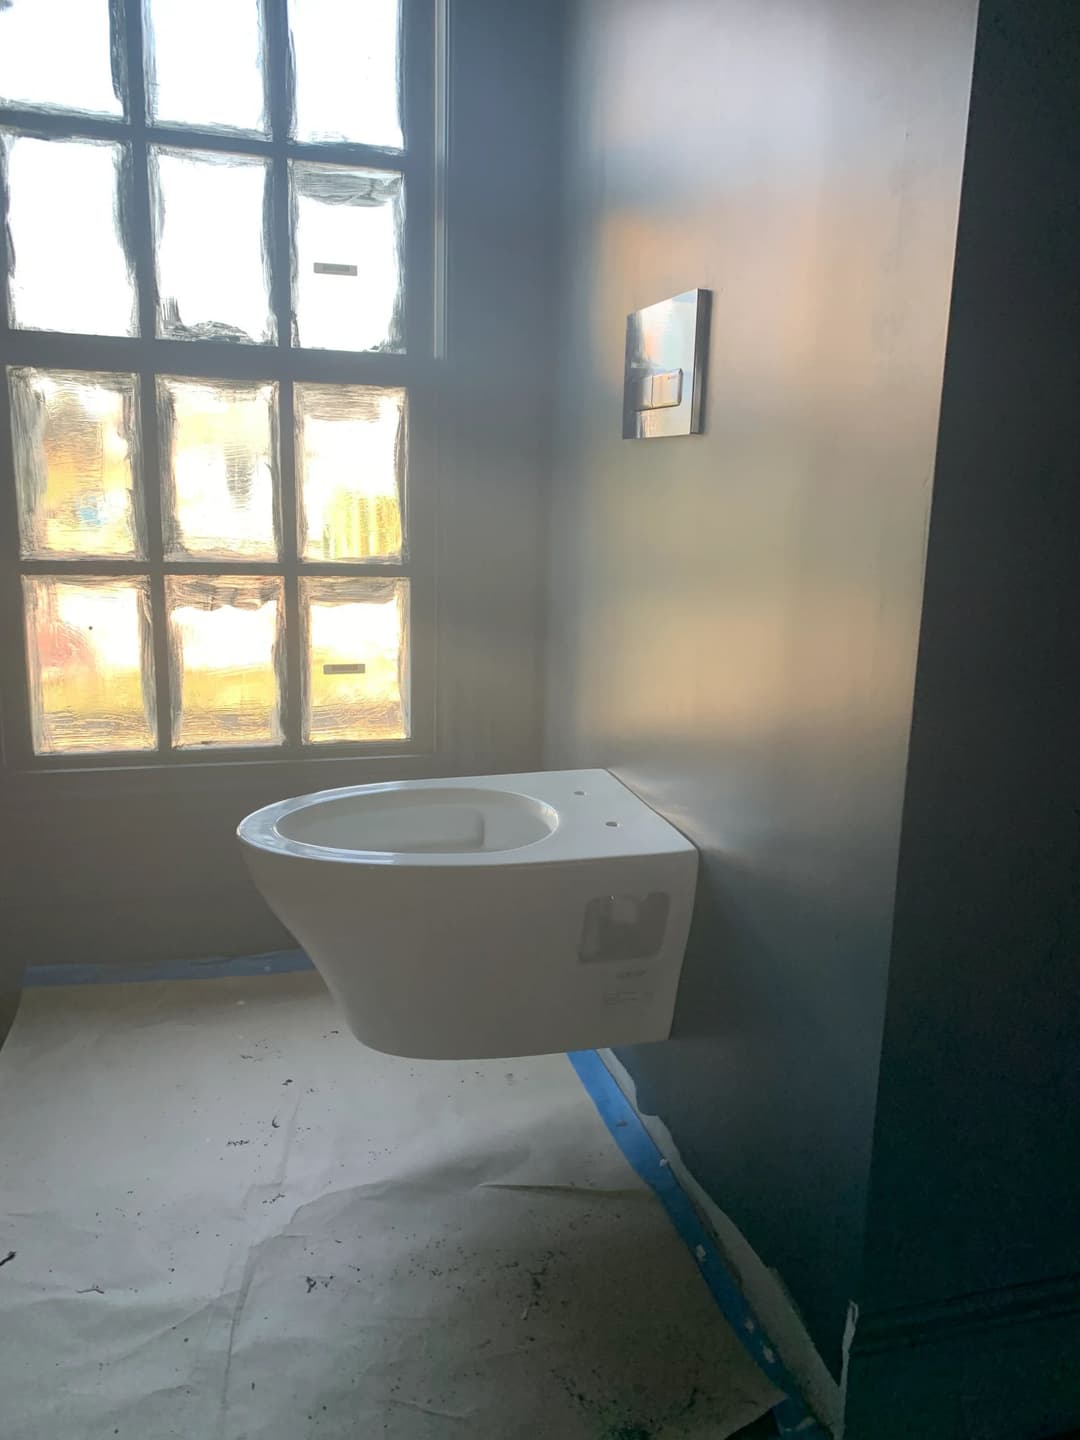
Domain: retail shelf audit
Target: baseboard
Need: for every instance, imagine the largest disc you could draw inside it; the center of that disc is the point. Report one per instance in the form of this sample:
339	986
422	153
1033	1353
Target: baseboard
995	1366
764	1292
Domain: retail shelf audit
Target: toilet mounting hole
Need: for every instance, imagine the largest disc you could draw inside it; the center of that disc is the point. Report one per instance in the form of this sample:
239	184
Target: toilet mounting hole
579	792
612	823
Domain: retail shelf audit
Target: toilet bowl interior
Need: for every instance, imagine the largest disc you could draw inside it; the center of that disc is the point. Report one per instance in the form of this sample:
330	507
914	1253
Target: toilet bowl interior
423	821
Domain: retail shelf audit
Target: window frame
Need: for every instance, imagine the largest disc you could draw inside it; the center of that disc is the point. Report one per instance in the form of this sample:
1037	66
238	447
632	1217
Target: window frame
148	357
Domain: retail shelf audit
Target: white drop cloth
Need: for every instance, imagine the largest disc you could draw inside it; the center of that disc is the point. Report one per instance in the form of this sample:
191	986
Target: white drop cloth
232	1222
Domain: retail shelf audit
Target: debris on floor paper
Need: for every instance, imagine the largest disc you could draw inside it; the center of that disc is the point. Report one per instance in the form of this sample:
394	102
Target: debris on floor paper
227	1220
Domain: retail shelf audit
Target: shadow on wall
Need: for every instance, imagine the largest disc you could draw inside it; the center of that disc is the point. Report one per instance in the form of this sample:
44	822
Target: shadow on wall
11	978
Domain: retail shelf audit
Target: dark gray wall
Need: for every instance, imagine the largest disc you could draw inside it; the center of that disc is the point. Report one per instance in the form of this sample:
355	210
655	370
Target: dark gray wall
734	617
988	899
974	1208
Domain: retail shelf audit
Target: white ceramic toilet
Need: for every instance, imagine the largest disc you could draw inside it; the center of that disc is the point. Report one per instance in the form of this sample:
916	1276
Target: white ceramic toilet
494	915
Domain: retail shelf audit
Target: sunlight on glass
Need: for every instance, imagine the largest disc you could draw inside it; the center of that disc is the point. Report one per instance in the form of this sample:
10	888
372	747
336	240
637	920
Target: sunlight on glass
91	666
350	453
347	281
212	270
75	440
204	64
348	82
218	465
357	672
70	270
225	657
56	55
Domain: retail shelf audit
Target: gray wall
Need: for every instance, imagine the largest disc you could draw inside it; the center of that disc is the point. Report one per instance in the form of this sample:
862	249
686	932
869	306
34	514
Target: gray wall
988	899
973	1206
734	617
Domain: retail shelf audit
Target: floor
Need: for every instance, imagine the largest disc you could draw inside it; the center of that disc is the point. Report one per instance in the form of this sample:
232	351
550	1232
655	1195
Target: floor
229	1220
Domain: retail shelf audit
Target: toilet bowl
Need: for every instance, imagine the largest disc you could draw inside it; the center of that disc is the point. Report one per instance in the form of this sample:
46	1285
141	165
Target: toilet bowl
487	916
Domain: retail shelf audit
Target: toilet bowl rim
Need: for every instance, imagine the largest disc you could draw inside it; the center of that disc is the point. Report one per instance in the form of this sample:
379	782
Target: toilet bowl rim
260	831
600	821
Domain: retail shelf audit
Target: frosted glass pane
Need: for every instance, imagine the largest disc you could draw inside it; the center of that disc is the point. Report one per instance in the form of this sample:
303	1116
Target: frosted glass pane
91	665
204	64
76	451
348	81
212	270
218	458
350	453
225	655
347	270
57	55
69	267
357	668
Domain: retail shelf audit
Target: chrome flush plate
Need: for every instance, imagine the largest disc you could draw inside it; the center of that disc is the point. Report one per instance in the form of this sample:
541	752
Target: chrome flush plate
664	386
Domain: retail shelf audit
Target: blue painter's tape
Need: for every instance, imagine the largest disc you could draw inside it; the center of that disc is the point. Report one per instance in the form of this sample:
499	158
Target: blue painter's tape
277	962
620	1117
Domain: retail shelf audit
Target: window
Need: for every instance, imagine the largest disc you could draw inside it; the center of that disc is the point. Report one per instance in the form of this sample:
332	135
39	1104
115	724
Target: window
218	306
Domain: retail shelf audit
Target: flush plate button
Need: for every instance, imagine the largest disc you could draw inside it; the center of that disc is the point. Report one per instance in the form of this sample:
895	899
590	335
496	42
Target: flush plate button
659	392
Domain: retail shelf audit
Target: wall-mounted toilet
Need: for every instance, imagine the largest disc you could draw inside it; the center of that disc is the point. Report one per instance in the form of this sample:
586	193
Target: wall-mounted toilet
493	915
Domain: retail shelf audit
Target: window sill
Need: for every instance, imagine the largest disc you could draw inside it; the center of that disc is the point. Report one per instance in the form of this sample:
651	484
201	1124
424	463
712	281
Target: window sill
202	774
